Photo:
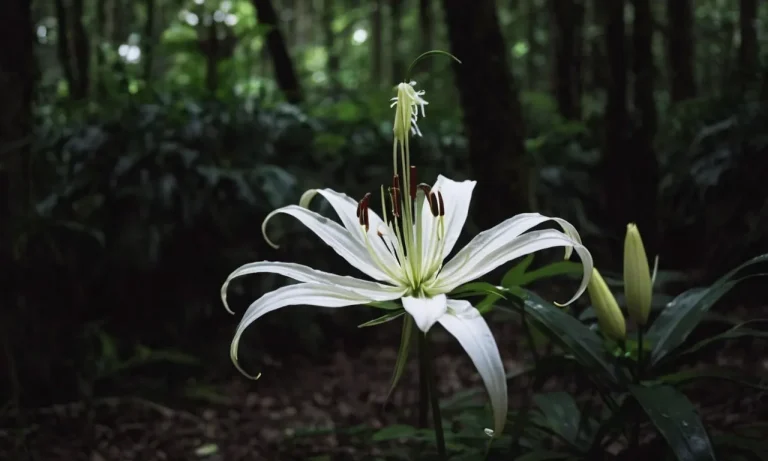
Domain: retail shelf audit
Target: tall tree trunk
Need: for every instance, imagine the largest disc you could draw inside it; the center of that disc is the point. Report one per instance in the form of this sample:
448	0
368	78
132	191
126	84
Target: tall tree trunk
377	42
398	67
425	26
329	38
149	36
82	51
616	189
212	51
492	115
532	14
642	163
17	80
748	50
62	45
568	20
681	49
285	74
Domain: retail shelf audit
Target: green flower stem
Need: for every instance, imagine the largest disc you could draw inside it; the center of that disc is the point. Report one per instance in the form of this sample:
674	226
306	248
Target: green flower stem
428	368
423	380
639	372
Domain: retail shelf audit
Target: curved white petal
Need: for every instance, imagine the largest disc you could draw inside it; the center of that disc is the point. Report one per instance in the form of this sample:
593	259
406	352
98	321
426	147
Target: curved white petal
311	293
476	338
456	197
425	311
372	290
489	250
337	238
346	207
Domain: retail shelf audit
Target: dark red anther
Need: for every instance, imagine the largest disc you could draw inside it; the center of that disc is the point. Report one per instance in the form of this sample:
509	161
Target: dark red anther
441	203
434	205
362	211
396	181
426	189
395	194
413	183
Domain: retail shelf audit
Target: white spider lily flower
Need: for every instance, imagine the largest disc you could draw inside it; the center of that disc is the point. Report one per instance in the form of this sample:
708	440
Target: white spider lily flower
404	252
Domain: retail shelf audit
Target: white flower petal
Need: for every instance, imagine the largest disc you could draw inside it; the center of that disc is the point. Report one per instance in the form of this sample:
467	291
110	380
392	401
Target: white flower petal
476	338
456	197
372	290
425	311
462	308
312	293
346	208
491	249
337	238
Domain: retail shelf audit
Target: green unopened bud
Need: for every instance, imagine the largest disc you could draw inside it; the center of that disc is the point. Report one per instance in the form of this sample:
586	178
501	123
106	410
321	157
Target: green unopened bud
638	288
609	316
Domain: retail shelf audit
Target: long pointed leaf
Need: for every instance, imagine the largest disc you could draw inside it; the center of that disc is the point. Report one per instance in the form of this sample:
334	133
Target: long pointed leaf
563	416
383	319
402	353
573	335
684	313
676	419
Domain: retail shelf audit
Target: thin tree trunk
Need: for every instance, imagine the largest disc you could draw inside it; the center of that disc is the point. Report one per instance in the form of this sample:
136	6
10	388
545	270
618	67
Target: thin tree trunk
425	27
330	43
643	167
62	45
680	49
748	50
377	42
17	81
285	74
398	68
616	189
492	115
82	51
212	52
149	36
568	19
530	38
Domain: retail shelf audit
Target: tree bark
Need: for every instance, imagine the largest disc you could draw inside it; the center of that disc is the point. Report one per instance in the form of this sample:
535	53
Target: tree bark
398	67
748	50
491	110
616	189
568	20
333	65
149	36
532	14
62	44
680	50
377	42
643	168
285	74
425	27
17	80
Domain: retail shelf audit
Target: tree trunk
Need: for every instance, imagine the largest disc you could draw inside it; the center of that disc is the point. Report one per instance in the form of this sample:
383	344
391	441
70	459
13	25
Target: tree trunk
329	38
531	76
149	37
748	50
285	74
568	20
680	50
82	51
62	45
17	80
616	189
377	42
425	27
398	68
492	115
643	166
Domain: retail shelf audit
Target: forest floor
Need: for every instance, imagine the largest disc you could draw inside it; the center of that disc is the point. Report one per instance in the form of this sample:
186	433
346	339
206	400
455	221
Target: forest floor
299	410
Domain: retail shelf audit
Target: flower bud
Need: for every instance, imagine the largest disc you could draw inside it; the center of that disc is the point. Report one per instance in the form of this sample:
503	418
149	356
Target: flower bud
609	316
638	287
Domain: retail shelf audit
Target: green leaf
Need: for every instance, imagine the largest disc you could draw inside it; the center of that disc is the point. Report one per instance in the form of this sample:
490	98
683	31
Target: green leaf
388	317
395	431
586	346
734	333
684	313
402	353
757	448
543	456
386	305
552	270
682	378
514	276
563	417
478	288
676	419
